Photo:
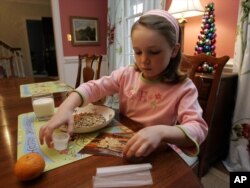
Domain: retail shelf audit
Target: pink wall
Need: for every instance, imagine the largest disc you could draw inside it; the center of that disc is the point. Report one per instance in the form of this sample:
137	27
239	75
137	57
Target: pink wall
226	13
83	8
225	21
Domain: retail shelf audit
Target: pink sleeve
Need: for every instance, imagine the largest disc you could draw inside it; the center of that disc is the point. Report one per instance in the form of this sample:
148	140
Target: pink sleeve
94	90
191	120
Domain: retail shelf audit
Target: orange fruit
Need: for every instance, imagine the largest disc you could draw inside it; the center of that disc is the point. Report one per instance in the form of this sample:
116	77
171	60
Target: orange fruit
29	166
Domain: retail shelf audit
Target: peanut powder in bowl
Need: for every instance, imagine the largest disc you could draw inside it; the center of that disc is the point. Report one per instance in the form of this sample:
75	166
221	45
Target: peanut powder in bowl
85	119
91	118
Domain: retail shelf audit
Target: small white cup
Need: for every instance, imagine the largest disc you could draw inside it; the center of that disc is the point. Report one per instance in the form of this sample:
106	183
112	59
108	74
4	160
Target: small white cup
43	106
60	140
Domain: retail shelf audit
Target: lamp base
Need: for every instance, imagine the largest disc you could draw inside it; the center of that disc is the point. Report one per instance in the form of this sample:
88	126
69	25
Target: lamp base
182	20
182	23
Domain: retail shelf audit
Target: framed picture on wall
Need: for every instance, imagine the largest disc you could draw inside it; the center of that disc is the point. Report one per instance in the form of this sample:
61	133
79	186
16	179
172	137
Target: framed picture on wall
85	31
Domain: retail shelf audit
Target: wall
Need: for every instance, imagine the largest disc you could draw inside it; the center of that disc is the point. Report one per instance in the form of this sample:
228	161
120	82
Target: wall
83	8
226	30
13	31
13	27
226	13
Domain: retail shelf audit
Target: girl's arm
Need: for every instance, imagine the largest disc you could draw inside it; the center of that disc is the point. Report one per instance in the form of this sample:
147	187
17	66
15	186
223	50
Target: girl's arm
148	139
63	116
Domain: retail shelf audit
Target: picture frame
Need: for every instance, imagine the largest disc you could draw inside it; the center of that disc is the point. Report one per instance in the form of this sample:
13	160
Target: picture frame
85	30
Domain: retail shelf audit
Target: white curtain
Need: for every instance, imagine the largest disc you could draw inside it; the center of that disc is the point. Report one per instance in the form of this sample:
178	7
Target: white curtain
114	44
239	153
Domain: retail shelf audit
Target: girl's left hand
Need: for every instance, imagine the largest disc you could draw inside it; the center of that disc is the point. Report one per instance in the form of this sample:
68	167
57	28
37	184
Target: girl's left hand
143	142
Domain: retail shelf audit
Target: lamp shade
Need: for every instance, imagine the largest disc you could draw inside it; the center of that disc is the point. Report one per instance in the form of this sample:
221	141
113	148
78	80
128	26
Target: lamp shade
185	8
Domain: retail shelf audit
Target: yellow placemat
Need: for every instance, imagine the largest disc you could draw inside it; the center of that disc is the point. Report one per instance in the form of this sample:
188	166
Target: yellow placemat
28	141
28	90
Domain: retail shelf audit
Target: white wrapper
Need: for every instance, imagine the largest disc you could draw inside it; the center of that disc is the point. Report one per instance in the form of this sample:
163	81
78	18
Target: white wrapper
123	176
123	180
122	169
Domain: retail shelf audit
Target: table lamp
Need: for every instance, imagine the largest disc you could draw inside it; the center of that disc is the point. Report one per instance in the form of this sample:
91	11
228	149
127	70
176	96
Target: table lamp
182	9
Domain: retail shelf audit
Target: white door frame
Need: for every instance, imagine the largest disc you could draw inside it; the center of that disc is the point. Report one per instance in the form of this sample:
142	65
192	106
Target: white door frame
58	38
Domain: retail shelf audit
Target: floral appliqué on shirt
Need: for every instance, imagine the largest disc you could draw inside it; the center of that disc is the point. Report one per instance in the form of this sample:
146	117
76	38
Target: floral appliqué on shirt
145	96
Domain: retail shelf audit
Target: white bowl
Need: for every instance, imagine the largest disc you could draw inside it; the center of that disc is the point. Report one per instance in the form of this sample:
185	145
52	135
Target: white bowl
106	112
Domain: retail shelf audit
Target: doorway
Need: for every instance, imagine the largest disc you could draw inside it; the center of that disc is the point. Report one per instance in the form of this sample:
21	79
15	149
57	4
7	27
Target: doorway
42	47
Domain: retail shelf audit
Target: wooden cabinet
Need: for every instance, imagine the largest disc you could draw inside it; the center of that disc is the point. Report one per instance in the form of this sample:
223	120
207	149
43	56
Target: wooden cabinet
216	146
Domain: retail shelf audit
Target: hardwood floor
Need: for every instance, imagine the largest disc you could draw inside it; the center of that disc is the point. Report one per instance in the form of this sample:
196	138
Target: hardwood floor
217	177
219	166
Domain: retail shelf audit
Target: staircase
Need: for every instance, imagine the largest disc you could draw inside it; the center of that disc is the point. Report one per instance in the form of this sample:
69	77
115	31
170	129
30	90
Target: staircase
11	61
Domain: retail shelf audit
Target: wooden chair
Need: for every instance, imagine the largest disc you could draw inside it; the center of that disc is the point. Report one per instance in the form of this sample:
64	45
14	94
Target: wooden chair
208	86
88	72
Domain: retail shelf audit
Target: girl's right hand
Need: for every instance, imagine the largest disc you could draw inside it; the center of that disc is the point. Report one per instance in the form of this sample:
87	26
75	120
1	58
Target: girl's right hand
62	117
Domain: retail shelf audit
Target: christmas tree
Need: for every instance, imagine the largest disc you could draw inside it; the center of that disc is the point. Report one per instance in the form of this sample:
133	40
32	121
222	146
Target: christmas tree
206	42
206	39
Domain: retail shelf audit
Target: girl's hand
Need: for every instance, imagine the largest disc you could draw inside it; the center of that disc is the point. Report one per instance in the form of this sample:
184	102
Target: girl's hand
143	142
62	117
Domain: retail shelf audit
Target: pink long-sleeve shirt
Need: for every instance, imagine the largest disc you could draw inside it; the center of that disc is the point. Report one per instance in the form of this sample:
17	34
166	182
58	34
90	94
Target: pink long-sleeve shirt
152	102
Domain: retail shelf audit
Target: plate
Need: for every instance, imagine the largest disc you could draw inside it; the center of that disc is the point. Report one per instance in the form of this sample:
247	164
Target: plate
106	112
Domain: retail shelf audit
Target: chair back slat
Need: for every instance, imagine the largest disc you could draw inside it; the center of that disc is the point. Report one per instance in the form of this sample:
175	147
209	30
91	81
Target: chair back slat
88	72
208	85
190	65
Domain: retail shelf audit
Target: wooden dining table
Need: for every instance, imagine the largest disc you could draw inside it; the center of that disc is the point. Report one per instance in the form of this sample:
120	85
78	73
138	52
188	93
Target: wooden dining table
168	169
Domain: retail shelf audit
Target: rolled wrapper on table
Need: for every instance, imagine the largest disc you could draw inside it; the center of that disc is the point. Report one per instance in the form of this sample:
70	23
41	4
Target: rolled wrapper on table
122	169
140	178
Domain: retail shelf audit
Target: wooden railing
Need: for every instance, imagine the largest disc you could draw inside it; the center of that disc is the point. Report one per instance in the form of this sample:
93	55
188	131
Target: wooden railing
11	61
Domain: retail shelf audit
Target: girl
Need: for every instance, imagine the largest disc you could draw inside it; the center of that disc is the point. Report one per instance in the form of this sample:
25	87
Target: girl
152	92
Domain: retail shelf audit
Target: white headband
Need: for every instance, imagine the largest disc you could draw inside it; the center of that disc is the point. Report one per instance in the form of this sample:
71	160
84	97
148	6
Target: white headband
167	16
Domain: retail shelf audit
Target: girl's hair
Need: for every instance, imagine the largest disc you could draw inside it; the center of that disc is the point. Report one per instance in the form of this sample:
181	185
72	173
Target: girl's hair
172	73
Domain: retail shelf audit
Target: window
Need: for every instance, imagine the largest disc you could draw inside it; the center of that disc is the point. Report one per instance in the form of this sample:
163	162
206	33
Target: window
133	9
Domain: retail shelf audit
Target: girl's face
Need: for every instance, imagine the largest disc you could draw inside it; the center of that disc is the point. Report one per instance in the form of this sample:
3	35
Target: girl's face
152	52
